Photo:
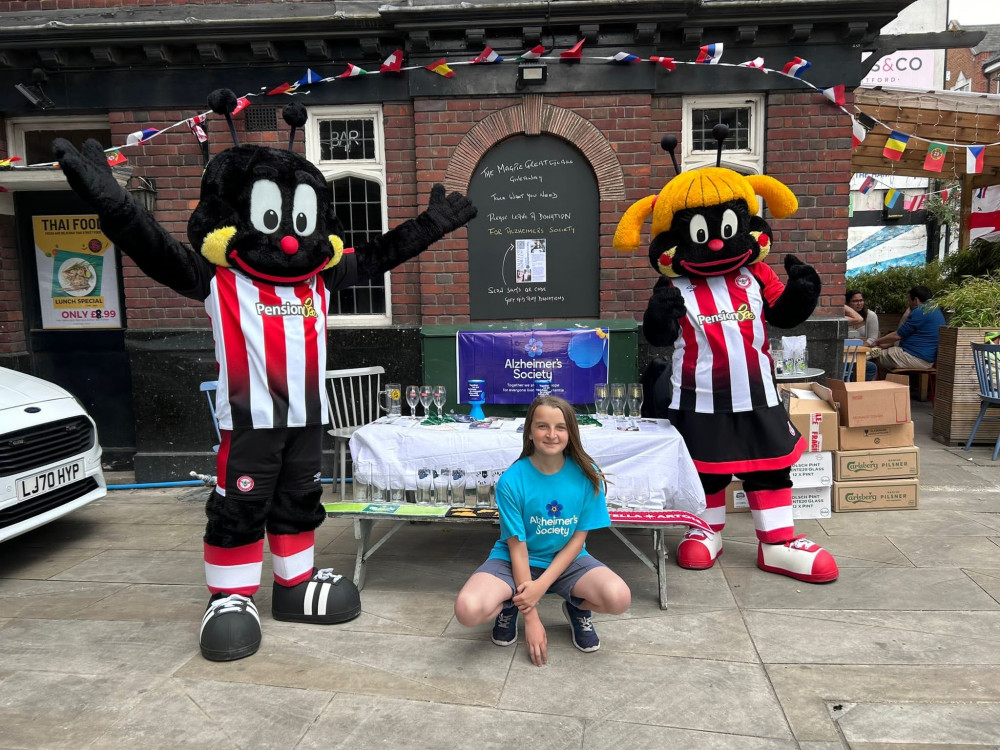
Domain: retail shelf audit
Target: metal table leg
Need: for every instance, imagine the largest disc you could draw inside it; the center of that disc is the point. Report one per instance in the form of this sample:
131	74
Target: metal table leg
660	544
363	533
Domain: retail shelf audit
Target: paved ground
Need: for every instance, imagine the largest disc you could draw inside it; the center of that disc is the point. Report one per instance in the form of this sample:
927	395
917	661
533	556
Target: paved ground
99	615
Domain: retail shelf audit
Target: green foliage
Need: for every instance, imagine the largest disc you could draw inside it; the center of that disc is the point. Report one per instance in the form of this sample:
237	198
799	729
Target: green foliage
980	259
973	302
887	291
945	212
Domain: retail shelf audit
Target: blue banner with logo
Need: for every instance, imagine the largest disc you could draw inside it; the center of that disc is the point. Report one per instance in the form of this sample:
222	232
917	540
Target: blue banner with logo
568	361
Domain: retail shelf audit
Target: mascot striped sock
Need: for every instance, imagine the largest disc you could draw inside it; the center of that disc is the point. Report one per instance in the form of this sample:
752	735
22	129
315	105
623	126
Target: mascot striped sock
234	570
772	514
292	556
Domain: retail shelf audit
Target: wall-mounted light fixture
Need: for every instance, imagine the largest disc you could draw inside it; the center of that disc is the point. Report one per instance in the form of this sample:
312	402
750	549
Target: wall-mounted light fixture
143	190
531	74
33	91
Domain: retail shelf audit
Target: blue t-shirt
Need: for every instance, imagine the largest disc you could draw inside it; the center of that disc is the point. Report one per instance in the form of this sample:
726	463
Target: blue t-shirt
544	510
919	333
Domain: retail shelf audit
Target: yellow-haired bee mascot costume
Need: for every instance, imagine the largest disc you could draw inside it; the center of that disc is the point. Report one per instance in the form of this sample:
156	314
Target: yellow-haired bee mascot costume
711	303
268	253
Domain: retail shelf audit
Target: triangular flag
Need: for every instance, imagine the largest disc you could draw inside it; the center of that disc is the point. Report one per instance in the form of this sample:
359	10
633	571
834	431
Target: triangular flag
835	94
9	160
308	78
280	89
916	202
393	63
796	67
115	157
934	160
241	104
858	132
441	68
352	71
974	159
532	54
867	185
895	145
666	62
757	62
891	198
623	57
139	136
944	195
488	55
195	124
573	53
710	54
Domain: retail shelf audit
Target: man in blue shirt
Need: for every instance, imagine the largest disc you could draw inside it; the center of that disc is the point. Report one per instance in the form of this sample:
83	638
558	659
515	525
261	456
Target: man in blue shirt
914	345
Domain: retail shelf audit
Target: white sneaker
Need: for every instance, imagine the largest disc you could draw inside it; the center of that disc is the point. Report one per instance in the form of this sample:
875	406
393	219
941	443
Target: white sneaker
698	549
799	558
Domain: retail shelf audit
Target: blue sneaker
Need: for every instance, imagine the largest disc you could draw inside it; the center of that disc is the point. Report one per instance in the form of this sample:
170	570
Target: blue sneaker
584	636
505	628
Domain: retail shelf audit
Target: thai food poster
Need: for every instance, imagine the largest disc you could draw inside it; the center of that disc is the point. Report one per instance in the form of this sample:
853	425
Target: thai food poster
77	273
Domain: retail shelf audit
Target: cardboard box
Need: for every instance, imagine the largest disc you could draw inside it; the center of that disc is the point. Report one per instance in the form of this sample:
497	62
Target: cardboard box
884	494
878	436
885	463
812	411
871	403
813	470
807	502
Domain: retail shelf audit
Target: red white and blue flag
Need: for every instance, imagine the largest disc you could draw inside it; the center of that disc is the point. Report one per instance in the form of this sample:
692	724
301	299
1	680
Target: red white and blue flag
710	54
394	62
666	62
623	57
974	159
140	136
532	54
488	55
867	185
796	67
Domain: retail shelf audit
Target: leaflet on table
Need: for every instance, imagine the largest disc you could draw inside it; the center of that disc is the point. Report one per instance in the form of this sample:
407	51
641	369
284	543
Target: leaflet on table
507	424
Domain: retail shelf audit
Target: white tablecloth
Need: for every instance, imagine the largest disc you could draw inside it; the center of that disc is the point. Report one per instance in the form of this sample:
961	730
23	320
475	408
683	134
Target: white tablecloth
655	453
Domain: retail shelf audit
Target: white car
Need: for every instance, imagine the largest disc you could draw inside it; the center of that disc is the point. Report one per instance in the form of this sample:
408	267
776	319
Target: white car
50	459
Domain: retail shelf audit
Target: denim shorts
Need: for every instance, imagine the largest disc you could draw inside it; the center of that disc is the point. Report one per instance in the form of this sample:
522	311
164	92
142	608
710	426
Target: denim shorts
563	585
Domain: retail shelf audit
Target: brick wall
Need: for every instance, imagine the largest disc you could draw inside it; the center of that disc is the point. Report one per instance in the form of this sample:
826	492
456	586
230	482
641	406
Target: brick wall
11	317
963	61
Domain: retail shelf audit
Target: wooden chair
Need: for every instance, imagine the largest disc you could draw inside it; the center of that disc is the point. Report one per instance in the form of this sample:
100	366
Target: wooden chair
987	361
927	379
851	357
353	396
209	387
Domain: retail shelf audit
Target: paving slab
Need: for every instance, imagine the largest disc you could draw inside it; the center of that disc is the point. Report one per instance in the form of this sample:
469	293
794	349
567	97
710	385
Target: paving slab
949	551
928	725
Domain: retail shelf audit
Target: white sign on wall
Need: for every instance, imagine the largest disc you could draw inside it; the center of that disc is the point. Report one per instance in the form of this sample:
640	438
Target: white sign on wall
910	69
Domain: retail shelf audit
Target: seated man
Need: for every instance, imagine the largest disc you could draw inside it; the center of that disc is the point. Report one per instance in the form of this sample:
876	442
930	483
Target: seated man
914	345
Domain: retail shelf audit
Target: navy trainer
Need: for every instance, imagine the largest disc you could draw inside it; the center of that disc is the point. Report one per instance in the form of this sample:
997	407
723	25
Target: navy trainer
584	636
505	628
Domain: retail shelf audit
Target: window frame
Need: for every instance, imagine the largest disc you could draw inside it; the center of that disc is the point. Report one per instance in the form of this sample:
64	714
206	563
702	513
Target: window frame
750	161
365	169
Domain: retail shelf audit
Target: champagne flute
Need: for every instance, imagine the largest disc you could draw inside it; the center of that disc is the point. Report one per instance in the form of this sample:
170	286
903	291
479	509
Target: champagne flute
440	395
424	394
618	399
412	396
601	396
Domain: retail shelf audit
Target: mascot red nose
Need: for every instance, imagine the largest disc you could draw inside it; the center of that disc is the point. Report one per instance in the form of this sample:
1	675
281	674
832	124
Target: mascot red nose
710	304
267	252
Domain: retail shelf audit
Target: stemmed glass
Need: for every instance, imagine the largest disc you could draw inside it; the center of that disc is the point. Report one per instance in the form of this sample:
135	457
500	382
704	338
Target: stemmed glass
618	399
440	394
634	401
601	396
424	394
412	396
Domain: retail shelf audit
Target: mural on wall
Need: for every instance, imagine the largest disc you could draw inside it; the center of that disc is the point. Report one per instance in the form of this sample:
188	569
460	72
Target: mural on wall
874	242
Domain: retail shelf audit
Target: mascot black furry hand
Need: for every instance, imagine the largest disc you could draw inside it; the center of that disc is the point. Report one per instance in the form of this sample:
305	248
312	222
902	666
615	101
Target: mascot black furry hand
711	303
268	252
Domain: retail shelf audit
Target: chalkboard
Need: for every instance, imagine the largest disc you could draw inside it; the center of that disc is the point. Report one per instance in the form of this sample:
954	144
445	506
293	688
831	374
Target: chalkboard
534	248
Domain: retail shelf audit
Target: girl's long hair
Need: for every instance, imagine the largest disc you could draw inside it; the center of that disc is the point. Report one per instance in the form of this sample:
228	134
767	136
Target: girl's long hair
574	448
863	312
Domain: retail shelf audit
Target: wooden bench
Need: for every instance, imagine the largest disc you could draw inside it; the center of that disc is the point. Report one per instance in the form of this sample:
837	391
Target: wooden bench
927	379
365	516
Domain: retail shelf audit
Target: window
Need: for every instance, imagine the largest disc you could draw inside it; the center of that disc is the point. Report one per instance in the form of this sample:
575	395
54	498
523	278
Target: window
744	148
31	137
346	144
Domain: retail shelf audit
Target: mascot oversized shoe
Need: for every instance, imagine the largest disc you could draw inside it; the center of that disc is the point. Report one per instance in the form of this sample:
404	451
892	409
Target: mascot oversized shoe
230	628
698	549
798	558
324	599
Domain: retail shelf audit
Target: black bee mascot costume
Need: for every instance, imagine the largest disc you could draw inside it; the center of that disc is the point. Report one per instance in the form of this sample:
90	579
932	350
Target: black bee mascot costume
268	252
711	303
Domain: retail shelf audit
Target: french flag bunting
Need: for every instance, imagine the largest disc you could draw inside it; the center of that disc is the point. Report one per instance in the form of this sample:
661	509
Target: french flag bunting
488	55
796	67
710	54
858	132
573	53
666	62
974	159
281	88
394	62
308	78
532	54
835	94
867	185
757	62
140	136
623	57
352	71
